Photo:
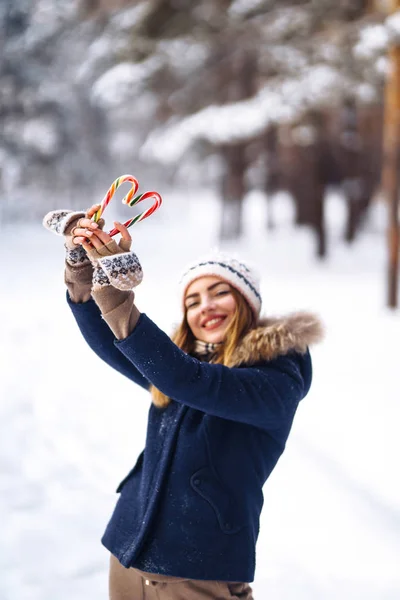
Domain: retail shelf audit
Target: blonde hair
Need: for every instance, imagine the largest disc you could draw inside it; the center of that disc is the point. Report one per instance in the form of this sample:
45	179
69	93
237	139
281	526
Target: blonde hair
243	320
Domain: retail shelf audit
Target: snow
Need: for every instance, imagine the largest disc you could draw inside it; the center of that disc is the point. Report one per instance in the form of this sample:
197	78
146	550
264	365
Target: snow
122	82
242	7
284	59
183	55
366	92
374	40
393	25
286	23
99	53
276	103
72	427
125	20
47	19
42	135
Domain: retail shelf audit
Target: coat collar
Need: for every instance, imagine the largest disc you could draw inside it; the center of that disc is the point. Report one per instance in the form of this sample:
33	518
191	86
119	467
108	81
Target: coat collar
278	336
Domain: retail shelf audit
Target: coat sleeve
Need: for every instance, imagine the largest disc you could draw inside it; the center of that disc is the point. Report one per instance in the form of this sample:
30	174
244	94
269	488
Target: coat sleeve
101	340
265	395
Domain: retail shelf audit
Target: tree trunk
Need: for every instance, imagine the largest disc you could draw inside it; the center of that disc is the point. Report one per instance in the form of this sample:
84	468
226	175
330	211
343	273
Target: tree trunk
240	72
391	167
272	178
233	190
320	228
304	172
350	157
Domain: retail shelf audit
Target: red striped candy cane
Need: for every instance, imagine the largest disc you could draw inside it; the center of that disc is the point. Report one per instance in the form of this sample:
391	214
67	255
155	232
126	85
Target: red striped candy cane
130	199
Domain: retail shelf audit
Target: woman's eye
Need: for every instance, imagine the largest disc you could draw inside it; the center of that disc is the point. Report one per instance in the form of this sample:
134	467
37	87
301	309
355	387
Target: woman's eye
222	292
191	305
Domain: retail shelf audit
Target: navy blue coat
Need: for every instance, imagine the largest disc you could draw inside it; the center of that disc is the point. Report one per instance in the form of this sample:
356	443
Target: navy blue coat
190	506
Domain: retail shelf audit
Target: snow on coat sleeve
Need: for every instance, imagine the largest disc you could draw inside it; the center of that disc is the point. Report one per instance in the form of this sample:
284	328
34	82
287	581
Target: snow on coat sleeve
265	395
101	340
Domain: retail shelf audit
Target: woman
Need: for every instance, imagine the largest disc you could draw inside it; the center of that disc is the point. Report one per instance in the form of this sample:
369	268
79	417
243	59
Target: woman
224	393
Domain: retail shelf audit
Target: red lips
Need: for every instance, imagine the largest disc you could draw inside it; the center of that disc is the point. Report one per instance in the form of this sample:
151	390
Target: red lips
211	318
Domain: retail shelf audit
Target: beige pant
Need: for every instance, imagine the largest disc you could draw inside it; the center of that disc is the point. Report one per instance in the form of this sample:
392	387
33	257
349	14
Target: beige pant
131	584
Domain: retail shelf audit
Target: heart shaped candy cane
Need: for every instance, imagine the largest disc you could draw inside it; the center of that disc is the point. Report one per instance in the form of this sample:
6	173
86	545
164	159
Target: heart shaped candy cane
130	200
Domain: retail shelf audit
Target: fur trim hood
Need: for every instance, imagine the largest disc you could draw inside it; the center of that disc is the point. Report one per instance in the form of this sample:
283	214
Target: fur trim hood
274	337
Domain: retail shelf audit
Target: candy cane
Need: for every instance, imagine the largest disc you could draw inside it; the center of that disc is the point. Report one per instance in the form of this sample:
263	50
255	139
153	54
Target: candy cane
130	200
144	214
114	186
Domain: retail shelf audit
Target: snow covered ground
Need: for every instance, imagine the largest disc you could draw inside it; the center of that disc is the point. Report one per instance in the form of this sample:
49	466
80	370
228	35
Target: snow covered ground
71	427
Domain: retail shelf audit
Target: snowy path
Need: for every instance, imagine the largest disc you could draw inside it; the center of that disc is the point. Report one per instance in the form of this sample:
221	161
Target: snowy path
331	523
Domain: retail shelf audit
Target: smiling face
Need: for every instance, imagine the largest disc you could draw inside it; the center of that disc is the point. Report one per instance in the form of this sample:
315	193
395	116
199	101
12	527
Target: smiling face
210	308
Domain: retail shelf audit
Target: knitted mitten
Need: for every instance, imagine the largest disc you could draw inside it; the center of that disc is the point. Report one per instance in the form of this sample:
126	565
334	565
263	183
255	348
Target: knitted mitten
114	264
62	222
57	221
76	256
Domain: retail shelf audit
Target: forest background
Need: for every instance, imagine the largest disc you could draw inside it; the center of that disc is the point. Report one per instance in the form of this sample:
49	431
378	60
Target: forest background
262	124
230	95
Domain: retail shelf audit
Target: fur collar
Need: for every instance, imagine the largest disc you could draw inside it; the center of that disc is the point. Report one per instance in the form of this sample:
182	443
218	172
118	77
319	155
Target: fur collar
274	337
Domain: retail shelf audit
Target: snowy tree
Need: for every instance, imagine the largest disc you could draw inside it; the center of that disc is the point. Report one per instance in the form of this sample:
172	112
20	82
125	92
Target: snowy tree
232	94
53	135
262	65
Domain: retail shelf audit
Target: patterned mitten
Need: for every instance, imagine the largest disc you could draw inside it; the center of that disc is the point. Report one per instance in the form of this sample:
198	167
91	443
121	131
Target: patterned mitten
62	222
115	265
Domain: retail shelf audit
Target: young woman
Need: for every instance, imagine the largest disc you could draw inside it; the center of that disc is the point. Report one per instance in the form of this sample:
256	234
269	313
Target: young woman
224	393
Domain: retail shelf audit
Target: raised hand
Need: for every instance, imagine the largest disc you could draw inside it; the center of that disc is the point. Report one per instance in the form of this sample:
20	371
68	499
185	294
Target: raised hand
114	263
67	223
101	243
82	229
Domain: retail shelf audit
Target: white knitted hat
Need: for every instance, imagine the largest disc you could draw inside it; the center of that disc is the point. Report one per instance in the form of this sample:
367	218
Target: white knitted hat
234	271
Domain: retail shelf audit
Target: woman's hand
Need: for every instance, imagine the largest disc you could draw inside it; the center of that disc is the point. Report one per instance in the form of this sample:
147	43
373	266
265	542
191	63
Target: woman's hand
84	228
102	244
72	225
114	264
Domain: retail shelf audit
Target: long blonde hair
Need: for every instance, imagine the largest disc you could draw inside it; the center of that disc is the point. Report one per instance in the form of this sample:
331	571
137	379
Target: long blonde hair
243	320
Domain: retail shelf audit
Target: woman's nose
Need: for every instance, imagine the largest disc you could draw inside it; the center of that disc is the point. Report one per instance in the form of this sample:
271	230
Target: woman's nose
208	304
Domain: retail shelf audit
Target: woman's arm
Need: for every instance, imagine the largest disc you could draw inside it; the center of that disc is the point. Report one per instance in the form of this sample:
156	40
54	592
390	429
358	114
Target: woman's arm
75	228
265	396
78	269
82	278
101	339
78	280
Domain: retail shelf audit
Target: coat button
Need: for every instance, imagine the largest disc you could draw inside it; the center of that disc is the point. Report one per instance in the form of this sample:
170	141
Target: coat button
197	482
147	582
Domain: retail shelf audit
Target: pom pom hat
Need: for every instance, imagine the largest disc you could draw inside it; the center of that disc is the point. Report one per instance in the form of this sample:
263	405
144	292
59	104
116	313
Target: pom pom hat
233	271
